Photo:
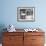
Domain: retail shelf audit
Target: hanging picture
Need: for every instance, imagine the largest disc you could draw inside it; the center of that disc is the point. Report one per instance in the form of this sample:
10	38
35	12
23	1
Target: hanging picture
26	14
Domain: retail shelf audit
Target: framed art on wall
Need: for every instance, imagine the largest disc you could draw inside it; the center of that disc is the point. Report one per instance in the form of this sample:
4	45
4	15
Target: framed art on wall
26	14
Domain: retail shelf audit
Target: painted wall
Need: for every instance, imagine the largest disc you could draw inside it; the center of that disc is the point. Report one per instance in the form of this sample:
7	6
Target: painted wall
8	13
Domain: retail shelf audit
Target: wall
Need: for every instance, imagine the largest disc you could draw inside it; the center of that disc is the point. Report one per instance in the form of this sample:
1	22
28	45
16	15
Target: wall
8	13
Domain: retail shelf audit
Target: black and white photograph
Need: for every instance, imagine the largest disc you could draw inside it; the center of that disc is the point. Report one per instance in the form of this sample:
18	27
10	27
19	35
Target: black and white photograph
26	14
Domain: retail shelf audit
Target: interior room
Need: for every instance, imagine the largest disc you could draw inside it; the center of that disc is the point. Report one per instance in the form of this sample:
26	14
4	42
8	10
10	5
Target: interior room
17	13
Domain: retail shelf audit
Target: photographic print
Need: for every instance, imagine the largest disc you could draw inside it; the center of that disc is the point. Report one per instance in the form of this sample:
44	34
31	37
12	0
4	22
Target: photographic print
26	14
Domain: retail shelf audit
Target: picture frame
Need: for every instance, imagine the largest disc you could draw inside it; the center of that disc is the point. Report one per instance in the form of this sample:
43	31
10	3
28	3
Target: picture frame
26	14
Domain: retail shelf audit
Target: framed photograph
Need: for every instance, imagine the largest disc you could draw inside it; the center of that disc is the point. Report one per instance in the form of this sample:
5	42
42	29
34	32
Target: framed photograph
26	14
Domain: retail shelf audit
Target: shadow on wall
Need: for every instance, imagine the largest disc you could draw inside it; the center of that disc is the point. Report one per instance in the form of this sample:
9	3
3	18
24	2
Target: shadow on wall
2	26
